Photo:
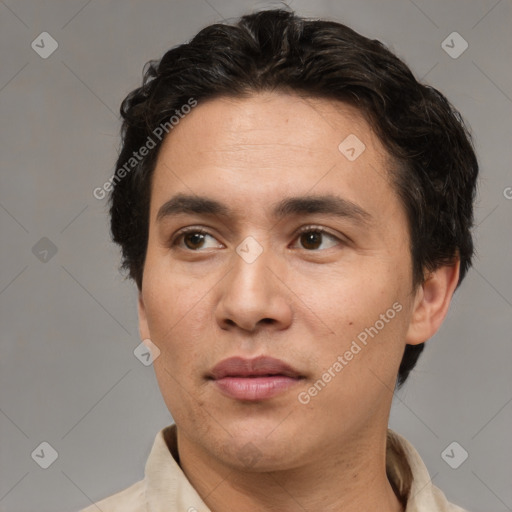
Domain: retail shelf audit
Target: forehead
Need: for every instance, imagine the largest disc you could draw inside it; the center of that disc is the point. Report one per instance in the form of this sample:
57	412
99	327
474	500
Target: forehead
301	125
270	145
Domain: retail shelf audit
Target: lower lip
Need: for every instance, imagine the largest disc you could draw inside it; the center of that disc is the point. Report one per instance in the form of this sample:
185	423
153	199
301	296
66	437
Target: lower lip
255	388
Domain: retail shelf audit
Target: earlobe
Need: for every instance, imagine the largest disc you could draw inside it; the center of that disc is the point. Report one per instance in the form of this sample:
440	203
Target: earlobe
143	321
432	301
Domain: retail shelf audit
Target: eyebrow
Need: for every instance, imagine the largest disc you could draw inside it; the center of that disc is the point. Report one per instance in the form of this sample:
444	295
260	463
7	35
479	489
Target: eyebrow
301	205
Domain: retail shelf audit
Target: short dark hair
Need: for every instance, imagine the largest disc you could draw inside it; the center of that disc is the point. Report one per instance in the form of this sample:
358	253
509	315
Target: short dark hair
434	164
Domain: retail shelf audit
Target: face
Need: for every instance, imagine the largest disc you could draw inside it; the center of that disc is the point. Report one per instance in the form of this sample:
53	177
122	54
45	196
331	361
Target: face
297	250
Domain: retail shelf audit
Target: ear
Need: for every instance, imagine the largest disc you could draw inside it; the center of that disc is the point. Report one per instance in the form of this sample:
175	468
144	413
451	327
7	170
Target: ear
432	301
143	321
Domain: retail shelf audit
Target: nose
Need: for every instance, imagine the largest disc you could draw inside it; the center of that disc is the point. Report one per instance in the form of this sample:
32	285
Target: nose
252	296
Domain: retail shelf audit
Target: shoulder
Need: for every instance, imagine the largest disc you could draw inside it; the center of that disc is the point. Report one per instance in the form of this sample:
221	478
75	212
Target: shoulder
131	499
409	475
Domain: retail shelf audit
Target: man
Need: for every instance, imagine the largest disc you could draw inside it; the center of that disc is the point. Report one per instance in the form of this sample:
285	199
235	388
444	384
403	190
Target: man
295	209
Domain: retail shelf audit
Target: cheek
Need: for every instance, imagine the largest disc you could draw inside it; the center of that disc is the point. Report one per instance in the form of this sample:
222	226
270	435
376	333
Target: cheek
180	335
353	299
178	328
367	311
171	297
177	312
357	367
182	396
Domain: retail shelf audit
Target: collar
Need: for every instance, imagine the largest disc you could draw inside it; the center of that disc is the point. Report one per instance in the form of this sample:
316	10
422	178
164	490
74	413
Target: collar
167	487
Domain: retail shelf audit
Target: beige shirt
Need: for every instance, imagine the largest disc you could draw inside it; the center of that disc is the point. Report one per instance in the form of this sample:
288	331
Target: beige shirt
165	488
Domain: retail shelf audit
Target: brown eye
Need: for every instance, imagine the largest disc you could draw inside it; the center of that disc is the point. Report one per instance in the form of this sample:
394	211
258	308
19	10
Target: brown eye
193	240
312	239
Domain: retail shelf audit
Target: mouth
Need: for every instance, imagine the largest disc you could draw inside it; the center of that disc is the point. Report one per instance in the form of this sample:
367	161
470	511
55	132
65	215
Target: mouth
255	379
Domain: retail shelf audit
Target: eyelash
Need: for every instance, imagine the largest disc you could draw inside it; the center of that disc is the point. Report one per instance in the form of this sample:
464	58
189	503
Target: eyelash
191	229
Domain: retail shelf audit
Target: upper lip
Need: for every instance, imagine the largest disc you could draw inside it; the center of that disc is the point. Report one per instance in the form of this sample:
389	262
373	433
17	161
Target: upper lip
259	366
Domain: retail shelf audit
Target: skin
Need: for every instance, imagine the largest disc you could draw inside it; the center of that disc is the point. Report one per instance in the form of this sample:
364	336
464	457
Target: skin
301	304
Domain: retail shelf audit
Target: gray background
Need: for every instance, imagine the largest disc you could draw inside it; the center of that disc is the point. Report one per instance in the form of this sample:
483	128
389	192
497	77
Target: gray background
68	373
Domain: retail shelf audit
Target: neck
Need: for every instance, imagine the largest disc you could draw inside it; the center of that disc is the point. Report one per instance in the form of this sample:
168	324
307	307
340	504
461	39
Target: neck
345	480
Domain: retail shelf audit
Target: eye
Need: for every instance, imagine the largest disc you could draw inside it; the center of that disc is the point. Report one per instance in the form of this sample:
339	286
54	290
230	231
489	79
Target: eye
193	239
312	238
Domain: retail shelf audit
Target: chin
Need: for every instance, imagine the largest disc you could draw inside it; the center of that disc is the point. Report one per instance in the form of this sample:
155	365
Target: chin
259	447
259	457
